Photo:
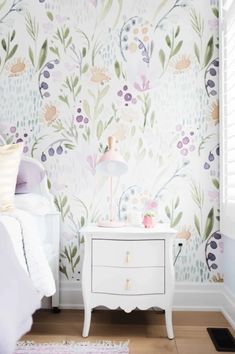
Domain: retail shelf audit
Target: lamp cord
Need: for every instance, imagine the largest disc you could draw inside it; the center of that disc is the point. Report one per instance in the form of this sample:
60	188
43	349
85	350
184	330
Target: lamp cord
180	249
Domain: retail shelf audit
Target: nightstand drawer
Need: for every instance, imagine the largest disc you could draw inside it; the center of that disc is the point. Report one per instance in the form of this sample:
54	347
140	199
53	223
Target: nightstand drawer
128	281
136	253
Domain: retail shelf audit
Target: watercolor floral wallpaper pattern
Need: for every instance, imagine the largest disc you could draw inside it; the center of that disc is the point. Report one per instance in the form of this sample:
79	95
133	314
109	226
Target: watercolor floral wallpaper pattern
74	72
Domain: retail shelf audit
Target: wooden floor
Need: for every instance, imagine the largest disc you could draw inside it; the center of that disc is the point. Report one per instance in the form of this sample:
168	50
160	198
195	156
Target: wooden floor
145	330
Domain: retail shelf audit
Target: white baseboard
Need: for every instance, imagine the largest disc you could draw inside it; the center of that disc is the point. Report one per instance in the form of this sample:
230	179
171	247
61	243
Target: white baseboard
228	307
188	297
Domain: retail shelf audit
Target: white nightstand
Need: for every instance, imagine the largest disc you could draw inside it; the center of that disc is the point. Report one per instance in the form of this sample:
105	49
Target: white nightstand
130	267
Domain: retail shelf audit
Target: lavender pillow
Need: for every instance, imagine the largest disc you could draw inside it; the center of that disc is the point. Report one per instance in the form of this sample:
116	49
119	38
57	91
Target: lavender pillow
30	175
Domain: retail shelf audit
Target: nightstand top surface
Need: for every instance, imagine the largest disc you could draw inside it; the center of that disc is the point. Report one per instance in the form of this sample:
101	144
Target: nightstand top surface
158	229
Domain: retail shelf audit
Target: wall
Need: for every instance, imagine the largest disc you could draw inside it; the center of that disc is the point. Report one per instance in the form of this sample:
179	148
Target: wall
229	264
74	72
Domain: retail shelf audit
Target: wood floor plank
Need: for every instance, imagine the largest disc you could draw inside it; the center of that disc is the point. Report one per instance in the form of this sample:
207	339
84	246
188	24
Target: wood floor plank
145	330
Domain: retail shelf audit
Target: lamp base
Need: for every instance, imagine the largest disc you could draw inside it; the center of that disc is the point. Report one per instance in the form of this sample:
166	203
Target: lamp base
111	224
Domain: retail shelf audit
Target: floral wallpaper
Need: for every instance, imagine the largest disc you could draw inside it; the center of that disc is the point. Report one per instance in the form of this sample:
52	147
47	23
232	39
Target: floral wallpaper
74	72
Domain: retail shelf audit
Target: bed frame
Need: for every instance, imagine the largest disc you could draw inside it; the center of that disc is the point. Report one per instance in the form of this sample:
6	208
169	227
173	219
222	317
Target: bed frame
53	224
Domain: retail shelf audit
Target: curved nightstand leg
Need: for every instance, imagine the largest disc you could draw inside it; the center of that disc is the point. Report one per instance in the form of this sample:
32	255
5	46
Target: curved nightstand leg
169	327
87	321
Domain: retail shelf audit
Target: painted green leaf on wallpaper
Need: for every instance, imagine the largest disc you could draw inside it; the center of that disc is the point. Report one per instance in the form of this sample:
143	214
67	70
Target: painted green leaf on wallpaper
4	45
215	12
85	68
50	15
86	108
82	221
13	35
209	224
76	261
99	130
177	31
84	51
117	69
168	41
215	181
197	224
2	4
177	219
31	57
177	202
196	51
12	52
209	51
162	57
106	8
167	211
177	48
42	55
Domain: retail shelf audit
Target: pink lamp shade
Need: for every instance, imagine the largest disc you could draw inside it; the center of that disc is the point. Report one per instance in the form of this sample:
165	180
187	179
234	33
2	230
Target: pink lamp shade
111	162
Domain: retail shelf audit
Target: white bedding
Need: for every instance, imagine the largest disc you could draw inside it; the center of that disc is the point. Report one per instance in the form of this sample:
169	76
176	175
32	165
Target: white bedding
26	232
18	297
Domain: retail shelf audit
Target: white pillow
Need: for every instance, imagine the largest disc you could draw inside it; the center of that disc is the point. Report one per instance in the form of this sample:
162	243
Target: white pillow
33	203
10	156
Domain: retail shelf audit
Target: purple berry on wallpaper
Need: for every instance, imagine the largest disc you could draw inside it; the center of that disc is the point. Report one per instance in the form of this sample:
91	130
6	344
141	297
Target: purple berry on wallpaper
119	93
185	140
17	134
13	129
51	152
59	150
179	145
79	118
184	152
46	74
86	120
214	266
25	149
43	157
216	63
56	61
191	133
79	110
217	150
25	135
46	94
213	245
211	157
206	166
210	83
211	256
125	87
128	97
50	65
19	140
213	93
217	236
44	85
213	72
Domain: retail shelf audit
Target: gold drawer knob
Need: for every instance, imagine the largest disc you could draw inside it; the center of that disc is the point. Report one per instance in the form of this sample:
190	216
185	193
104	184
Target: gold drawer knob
128	284
128	257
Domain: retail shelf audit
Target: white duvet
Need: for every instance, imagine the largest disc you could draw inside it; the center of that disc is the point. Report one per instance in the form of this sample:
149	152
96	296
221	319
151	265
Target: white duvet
25	233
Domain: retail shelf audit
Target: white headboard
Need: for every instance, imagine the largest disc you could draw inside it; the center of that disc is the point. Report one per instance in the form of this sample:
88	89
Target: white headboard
43	187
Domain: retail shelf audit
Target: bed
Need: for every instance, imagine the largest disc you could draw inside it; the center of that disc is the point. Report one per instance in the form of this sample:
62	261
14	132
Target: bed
29	256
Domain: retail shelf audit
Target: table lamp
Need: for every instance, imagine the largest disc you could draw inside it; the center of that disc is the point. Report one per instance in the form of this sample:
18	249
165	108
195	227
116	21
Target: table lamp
112	164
